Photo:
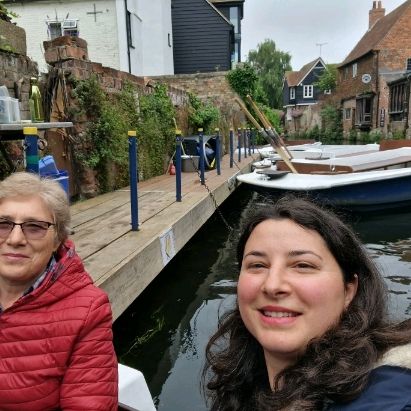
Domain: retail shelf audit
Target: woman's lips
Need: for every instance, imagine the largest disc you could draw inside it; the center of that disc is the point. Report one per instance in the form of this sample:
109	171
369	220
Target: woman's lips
15	256
278	315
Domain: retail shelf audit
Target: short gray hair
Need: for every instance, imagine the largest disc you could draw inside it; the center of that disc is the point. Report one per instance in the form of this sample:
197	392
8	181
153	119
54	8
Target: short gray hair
50	191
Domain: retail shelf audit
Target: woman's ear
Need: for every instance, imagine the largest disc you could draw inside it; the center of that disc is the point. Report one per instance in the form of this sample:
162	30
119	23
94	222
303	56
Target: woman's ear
350	291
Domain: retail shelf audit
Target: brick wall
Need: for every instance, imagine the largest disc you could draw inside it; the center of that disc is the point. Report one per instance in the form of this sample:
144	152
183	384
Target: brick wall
211	87
15	73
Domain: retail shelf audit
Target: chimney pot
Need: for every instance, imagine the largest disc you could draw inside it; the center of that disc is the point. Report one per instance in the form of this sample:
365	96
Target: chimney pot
374	4
376	13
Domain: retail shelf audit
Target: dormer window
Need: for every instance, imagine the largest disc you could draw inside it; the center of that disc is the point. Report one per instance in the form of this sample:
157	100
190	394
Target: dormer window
292	93
308	91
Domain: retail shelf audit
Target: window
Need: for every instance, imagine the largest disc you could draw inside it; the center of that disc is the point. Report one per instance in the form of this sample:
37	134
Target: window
364	111
292	93
54	29
347	114
346	71
327	91
397	101
354	70
71	32
234	18
408	64
308	91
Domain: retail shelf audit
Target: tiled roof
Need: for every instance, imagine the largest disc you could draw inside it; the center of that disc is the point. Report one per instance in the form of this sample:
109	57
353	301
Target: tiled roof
373	37
294	77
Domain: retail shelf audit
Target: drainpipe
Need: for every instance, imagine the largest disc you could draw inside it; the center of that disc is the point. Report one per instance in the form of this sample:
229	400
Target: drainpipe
407	103
128	43
377	90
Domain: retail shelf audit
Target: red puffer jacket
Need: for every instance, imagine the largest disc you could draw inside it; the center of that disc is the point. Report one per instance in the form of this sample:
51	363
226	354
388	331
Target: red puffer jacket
56	349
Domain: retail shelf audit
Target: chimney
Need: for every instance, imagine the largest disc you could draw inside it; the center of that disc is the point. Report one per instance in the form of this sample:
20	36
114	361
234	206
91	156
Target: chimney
376	13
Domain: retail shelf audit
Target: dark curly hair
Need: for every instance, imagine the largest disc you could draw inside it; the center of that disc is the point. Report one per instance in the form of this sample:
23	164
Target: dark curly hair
335	366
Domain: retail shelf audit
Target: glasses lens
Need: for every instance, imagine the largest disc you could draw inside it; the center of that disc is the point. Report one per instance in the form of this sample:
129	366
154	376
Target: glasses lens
35	229
5	228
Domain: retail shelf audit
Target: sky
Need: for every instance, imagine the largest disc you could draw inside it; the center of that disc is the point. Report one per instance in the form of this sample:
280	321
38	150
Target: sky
298	26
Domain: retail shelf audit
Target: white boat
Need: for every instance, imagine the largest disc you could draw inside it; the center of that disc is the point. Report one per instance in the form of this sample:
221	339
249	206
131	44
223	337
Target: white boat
363	182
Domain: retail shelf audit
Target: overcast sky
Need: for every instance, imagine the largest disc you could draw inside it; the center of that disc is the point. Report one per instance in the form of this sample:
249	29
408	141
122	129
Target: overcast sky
297	26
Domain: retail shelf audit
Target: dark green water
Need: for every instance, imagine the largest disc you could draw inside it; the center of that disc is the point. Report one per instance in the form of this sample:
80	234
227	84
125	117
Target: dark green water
164	332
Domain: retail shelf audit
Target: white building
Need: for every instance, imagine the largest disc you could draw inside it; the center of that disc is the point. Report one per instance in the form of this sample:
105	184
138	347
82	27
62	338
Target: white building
129	35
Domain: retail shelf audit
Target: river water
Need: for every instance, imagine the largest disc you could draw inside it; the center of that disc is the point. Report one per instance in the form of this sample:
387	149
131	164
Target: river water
164	332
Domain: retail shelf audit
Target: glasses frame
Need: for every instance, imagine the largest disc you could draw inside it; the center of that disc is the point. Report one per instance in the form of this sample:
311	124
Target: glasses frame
23	230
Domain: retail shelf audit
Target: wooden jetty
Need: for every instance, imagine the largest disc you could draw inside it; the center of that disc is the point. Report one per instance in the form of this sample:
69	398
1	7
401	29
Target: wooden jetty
124	262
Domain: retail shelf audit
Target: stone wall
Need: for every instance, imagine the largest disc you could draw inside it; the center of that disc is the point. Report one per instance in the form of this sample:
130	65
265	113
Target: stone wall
212	87
12	38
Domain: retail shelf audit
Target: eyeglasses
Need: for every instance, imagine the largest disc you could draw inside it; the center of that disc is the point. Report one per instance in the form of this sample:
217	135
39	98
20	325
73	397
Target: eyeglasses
33	230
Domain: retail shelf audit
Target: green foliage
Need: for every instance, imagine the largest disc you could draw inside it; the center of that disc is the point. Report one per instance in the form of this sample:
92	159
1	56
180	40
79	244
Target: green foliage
243	80
105	143
156	132
6	14
5	45
328	79
398	134
332	130
270	65
202	115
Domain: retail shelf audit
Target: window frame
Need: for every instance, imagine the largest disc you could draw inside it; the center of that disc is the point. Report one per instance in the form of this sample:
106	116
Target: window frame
308	91
292	93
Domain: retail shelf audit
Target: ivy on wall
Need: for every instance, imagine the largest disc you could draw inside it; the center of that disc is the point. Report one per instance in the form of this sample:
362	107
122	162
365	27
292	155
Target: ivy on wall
103	146
202	115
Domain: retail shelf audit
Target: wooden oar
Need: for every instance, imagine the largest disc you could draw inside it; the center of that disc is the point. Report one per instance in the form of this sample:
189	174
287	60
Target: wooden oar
268	126
270	138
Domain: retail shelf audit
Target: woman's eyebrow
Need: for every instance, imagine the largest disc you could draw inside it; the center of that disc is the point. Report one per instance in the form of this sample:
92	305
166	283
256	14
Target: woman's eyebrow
296	253
255	253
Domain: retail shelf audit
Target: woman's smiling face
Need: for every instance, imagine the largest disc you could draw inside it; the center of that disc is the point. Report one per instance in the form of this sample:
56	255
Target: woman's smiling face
290	289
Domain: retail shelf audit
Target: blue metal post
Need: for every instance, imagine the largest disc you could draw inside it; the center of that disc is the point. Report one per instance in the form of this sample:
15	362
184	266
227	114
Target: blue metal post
178	165
231	148
253	139
32	155
249	141
239	144
202	162
245	141
218	150
132	166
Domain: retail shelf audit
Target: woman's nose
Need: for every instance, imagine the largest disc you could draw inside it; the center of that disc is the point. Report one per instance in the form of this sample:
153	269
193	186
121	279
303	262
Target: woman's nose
276	281
16	236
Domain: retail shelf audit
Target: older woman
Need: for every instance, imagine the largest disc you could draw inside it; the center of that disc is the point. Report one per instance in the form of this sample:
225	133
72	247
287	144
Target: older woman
56	348
310	328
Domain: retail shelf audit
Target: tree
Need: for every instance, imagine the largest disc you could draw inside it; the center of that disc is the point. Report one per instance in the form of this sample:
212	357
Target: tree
271	65
328	78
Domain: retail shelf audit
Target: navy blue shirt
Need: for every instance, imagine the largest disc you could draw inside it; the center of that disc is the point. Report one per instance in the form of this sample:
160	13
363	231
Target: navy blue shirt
389	389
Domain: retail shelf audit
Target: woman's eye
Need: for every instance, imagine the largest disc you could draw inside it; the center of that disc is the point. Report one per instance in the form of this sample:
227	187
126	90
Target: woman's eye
304	266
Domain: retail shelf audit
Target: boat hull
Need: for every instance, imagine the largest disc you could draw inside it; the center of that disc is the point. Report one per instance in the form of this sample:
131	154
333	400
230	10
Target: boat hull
359	192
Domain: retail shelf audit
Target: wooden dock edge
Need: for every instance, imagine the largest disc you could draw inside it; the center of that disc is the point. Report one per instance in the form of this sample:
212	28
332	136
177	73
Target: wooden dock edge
177	224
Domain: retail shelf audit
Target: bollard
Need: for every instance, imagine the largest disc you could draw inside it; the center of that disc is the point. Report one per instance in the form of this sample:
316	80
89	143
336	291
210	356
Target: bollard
249	141
217	151
253	139
245	141
178	165
239	144
231	148
32	155
132	166
202	162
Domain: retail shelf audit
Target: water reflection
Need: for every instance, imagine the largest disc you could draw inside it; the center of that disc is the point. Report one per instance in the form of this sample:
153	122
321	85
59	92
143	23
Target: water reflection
165	331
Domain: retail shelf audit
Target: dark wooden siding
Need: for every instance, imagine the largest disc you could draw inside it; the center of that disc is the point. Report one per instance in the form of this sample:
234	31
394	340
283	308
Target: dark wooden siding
202	39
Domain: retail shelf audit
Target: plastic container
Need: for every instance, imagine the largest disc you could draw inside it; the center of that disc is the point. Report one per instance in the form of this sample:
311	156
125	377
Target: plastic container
62	178
47	166
15	110
189	164
4	92
6	115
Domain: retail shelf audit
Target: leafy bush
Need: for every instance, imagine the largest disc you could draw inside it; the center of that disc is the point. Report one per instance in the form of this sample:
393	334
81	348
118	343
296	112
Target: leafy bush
332	130
202	115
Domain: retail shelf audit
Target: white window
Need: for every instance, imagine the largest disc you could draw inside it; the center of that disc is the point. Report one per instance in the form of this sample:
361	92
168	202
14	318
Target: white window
63	28
308	91
54	29
354	70
347	114
408	65
292	93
